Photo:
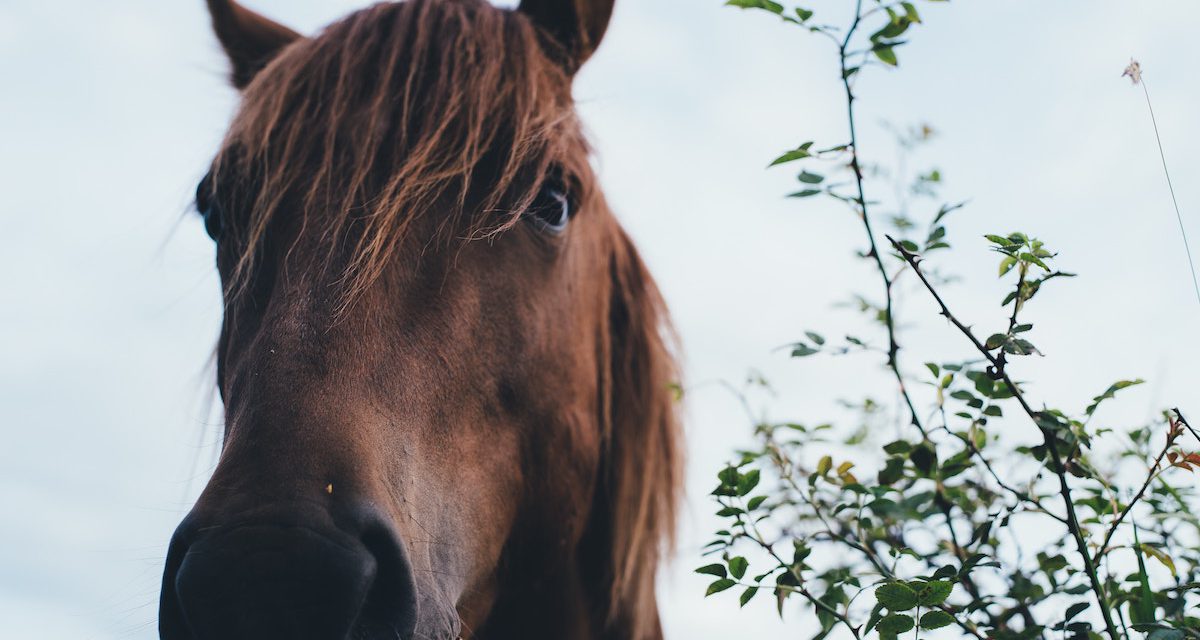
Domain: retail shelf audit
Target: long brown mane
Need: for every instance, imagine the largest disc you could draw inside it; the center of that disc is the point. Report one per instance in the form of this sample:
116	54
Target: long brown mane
456	106
645	457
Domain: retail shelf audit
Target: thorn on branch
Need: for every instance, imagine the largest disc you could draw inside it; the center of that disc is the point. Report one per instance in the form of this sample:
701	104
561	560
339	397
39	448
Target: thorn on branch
1183	421
997	372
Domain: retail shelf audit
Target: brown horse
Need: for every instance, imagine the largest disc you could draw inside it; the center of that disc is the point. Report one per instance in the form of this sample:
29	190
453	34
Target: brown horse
443	364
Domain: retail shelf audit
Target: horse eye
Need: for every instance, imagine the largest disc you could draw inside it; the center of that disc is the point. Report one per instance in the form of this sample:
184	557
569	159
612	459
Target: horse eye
551	210
207	206
212	221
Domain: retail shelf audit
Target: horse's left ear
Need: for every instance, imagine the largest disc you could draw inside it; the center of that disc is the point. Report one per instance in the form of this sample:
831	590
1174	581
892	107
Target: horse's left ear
250	40
577	25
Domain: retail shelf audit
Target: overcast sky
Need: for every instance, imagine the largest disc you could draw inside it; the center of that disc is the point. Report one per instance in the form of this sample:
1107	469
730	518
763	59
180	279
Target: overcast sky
109	305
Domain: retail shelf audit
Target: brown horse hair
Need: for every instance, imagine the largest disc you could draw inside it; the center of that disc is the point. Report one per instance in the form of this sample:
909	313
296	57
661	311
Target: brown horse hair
407	108
456	106
644	465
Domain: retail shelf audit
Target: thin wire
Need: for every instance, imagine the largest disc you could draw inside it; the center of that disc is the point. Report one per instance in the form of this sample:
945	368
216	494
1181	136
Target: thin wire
1178	216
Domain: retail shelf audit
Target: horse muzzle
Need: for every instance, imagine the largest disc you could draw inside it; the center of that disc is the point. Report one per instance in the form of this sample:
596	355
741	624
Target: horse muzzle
287	573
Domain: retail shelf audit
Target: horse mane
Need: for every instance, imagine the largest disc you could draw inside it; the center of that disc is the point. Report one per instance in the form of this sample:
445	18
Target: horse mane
396	111
645	444
405	109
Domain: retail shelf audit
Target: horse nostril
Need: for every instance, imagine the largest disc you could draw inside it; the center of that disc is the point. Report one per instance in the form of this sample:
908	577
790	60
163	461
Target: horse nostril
283	578
390	610
171	625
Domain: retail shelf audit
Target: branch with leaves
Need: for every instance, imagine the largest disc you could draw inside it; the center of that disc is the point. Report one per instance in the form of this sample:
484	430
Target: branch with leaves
930	530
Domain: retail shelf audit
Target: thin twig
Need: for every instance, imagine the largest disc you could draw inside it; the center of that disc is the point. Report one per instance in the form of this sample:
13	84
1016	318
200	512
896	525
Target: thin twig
893	345
1021	496
1167	172
998	370
1112	529
867	552
812	599
1012	321
1183	421
791	568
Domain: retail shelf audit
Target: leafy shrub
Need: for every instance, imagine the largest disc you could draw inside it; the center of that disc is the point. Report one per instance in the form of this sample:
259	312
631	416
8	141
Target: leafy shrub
933	531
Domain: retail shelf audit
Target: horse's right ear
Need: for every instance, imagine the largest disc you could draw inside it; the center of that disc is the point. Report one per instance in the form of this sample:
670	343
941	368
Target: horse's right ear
577	25
250	40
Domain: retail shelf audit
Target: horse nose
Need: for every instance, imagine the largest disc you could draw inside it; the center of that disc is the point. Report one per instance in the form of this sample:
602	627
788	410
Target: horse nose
291	574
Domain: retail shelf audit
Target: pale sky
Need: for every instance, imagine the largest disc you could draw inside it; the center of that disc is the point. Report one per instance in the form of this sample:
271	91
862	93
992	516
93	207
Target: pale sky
111	110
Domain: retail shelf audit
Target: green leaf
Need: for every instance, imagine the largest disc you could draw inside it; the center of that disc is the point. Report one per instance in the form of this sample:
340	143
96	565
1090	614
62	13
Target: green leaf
924	458
876	616
892	471
1161	556
1007	264
1142	609
738	566
1019	347
896	597
1029	257
896	624
893	29
755	502
810	178
803	14
747	482
728	475
749	593
719	586
824	465
1075	610
766	5
936	620
946	571
806	193
800	350
934	593
887	55
717	570
1111	393
799	153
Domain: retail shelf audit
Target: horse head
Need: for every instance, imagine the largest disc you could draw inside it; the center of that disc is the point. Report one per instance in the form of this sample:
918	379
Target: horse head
445	370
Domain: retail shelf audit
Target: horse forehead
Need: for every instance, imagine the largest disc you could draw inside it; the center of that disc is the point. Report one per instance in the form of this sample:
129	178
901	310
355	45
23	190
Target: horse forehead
426	296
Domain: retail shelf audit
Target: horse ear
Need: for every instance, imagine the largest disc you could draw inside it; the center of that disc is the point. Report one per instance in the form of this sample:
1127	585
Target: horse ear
250	40
576	25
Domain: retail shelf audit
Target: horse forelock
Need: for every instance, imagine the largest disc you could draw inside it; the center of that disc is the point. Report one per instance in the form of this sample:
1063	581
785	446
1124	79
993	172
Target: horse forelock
393	113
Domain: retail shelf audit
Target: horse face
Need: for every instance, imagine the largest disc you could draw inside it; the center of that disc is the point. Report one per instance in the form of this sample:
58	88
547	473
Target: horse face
434	333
